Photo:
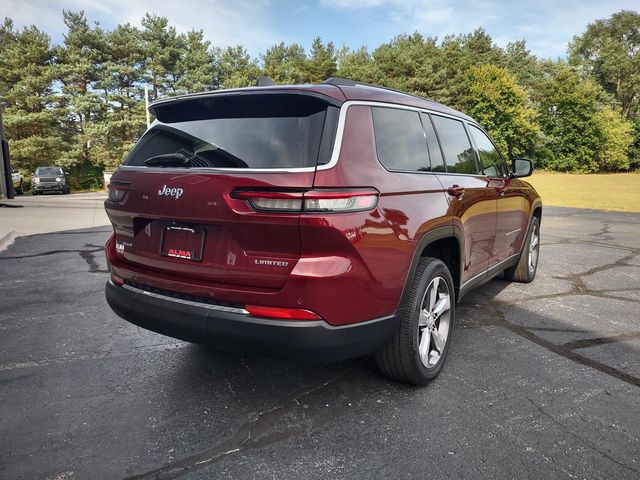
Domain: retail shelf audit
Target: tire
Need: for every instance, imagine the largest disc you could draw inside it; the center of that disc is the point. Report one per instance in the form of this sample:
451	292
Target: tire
525	270
34	193
20	189
402	358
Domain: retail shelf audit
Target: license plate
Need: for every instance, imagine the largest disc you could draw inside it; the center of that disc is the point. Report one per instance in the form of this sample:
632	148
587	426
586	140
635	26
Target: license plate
182	242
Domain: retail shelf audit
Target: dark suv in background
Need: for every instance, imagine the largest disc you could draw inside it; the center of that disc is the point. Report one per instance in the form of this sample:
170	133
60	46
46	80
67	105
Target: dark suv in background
318	221
49	179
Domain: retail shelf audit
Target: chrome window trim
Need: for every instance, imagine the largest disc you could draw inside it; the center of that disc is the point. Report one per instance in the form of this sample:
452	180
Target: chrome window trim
167	298
335	154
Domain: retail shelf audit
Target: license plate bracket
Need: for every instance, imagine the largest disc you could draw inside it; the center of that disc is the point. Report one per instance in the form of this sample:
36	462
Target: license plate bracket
182	241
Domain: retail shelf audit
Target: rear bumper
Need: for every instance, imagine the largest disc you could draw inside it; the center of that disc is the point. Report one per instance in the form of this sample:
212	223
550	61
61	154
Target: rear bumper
231	329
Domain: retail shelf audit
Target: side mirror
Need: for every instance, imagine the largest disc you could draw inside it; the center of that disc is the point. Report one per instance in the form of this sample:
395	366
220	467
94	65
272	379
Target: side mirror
521	167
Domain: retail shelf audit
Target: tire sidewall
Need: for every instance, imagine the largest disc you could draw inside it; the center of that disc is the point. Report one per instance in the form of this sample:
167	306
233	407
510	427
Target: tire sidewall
431	269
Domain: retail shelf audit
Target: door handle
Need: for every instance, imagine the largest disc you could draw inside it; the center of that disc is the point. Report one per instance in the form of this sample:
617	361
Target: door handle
456	191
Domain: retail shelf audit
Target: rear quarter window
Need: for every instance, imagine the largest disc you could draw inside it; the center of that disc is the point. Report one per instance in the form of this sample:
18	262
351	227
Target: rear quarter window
400	140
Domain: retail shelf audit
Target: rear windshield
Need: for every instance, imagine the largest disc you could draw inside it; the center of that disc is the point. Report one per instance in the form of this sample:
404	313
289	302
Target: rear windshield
251	131
48	171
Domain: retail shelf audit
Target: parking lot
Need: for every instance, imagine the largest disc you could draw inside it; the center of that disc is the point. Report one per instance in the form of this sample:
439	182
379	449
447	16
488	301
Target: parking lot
542	381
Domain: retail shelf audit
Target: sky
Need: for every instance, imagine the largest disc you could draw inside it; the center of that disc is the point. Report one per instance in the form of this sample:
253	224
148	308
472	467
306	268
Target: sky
546	25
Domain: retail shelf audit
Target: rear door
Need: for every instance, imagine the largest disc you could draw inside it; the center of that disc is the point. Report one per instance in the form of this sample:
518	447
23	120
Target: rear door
177	204
472	200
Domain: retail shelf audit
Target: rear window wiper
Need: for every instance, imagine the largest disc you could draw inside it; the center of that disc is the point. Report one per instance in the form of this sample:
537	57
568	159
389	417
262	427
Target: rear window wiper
178	159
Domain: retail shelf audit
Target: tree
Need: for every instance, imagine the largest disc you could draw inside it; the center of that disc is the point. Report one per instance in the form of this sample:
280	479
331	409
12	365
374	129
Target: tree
409	63
121	90
286	64
502	107
197	70
566	115
610	51
237	68
322	63
616	137
33	111
163	48
457	55
79	64
358	65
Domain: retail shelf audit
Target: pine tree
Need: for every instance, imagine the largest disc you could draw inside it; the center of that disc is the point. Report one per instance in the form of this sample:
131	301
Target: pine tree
33	111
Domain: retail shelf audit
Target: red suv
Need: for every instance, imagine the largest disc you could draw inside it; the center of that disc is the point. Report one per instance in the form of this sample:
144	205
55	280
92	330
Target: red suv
317	221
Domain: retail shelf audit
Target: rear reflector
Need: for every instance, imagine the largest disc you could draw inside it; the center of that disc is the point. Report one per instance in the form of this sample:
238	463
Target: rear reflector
116	280
282	313
311	201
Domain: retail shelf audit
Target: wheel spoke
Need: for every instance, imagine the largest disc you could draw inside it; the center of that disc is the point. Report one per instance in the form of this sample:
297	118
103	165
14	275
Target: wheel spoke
433	295
534	242
423	320
439	339
442	306
425	343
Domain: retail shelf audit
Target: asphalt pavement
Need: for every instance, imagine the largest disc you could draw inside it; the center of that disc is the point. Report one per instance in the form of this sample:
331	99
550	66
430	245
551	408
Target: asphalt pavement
542	380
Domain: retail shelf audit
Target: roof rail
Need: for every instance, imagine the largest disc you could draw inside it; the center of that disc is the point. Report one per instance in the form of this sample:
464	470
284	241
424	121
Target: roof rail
345	82
264	81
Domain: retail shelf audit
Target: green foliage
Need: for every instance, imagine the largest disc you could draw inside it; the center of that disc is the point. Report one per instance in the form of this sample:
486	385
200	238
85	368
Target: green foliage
286	64
566	113
358	65
609	51
237	68
80	104
323	61
502	107
33	109
616	136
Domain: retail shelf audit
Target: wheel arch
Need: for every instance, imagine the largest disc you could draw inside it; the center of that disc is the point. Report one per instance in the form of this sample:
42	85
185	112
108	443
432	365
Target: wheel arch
443	243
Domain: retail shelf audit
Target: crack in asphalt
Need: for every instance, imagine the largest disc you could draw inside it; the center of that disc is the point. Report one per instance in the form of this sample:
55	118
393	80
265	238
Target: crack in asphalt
594	342
87	255
494	315
263	429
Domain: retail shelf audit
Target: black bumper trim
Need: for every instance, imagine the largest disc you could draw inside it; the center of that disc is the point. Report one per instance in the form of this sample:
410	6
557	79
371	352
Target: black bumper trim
229	330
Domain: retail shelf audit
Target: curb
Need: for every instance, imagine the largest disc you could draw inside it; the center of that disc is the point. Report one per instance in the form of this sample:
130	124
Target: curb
7	239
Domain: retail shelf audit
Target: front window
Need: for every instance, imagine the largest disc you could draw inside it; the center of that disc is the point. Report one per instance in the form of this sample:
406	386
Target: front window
45	171
491	163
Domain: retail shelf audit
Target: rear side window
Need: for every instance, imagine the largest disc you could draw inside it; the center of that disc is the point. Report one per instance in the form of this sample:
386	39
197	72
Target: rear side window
252	131
400	140
491	164
457	149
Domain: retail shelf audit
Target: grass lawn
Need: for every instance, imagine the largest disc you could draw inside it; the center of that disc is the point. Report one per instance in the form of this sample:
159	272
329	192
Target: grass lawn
614	191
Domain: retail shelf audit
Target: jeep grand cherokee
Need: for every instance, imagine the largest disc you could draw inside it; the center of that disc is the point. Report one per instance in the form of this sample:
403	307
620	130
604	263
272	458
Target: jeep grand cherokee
318	221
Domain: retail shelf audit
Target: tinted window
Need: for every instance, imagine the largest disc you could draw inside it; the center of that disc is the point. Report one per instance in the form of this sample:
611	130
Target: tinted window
48	171
400	140
455	144
271	131
437	163
490	162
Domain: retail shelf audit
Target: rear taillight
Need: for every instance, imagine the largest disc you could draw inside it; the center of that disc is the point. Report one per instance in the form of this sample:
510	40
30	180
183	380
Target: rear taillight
117	190
281	313
311	201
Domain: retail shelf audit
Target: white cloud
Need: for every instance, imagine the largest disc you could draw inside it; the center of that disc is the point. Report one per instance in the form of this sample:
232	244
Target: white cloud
547	25
242	22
